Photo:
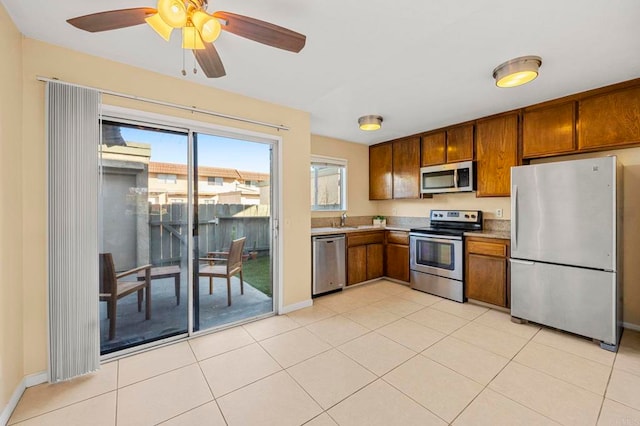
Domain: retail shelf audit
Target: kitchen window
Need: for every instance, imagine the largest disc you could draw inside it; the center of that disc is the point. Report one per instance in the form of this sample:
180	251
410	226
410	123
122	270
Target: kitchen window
328	184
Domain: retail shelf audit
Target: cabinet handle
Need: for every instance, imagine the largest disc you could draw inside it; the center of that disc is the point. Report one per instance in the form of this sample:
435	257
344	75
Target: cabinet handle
514	219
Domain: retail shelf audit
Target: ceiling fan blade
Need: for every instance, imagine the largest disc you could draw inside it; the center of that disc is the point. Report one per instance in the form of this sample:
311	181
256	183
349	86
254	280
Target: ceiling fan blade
112	19
210	61
262	32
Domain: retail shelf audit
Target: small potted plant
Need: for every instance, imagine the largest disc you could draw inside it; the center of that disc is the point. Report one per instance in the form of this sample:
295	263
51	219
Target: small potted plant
379	221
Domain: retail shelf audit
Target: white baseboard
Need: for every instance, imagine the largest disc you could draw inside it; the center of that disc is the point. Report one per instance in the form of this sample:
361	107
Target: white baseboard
13	402
630	326
26	382
296	306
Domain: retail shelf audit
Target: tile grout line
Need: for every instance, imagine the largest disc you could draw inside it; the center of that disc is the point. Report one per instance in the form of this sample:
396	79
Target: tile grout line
512	359
204	376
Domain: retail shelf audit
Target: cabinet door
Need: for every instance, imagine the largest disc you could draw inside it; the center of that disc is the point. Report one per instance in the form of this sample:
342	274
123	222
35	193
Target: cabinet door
549	131
380	172
406	168
433	149
497	152
398	262
486	279
356	264
460	144
610	119
375	259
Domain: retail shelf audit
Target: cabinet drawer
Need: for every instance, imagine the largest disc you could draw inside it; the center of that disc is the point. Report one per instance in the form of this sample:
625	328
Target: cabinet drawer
487	248
365	238
398	237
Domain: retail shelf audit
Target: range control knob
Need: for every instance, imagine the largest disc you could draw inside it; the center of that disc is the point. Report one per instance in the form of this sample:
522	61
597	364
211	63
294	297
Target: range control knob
473	216
466	216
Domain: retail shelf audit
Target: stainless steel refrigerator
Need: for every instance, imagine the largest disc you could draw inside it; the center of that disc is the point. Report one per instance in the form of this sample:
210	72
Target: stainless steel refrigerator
566	224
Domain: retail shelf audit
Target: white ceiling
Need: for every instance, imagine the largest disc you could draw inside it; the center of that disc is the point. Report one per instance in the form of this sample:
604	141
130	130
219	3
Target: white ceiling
421	64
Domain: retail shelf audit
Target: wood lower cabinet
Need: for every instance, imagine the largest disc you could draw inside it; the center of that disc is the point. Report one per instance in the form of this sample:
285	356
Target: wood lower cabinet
549	130
397	255
610	119
365	256
487	271
496	153
375	261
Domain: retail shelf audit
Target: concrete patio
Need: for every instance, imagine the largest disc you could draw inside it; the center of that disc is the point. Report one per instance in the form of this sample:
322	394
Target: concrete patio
169	319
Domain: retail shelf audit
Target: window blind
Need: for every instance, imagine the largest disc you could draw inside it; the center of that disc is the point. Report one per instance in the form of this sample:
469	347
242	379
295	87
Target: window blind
72	155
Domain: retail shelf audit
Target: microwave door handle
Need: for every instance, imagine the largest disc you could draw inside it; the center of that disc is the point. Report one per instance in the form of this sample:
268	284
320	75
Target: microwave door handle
455	178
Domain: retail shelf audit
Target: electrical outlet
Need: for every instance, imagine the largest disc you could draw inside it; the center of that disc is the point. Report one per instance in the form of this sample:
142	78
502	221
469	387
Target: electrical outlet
498	212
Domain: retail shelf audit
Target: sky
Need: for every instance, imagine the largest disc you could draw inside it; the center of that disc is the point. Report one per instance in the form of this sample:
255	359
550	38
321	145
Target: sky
213	151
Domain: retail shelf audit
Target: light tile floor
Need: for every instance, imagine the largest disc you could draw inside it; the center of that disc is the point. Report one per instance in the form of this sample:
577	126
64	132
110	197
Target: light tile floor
379	354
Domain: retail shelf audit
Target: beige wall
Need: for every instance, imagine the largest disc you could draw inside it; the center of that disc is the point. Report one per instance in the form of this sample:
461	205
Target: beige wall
51	61
11	223
357	156
630	159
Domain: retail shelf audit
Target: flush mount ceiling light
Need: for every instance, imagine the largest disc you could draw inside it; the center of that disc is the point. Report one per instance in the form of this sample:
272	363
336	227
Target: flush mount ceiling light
517	71
370	122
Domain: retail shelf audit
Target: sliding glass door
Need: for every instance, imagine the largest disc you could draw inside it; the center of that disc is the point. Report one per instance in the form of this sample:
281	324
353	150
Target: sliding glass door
232	199
166	193
143	221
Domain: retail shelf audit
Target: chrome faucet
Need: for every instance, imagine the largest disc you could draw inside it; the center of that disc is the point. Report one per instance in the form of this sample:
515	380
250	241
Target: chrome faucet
343	219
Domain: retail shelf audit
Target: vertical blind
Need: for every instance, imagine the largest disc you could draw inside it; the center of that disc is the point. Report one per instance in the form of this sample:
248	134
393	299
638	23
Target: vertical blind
72	154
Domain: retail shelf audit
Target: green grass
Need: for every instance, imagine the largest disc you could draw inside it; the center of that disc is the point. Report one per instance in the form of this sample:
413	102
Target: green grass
256	272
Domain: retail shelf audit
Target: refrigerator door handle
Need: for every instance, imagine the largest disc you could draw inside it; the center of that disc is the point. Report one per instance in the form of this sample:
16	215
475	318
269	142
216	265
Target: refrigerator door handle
522	262
514	214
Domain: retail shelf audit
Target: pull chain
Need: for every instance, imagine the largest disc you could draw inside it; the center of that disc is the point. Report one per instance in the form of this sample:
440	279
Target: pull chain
184	72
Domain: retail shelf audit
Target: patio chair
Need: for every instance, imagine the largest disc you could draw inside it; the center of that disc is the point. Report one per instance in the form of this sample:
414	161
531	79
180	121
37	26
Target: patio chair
111	289
232	266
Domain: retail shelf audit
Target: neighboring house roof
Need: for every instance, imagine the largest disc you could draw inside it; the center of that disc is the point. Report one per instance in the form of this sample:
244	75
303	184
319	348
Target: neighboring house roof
181	169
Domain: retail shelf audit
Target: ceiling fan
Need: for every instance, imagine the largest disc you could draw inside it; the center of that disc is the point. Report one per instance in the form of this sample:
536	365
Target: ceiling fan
199	28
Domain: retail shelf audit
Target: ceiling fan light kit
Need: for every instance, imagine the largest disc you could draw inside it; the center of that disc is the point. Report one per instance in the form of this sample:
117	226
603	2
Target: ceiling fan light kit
199	28
173	12
370	122
517	71
161	27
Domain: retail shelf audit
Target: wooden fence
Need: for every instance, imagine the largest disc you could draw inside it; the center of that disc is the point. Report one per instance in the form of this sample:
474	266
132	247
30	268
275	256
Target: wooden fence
218	224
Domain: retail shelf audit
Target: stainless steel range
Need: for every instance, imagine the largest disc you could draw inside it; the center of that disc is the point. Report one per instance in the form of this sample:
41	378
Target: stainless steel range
437	255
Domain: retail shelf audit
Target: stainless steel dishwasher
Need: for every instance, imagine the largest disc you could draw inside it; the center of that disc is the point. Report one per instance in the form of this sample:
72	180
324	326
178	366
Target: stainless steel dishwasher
328	263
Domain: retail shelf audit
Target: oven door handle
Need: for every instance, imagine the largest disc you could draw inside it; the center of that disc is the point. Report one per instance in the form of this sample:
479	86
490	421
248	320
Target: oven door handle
435	238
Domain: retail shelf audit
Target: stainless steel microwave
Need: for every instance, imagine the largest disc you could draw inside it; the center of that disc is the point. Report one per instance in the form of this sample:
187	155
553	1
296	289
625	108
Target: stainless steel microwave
453	177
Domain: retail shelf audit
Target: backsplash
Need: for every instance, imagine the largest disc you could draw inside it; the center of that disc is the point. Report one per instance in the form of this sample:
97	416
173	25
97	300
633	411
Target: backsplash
500	225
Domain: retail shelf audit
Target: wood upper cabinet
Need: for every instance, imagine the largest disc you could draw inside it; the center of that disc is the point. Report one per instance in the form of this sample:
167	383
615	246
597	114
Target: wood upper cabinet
397	255
433	149
609	119
450	146
380	172
487	271
460	143
496	153
549	130
406	168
